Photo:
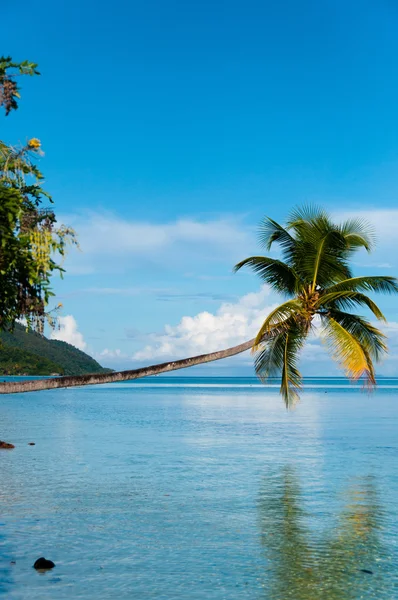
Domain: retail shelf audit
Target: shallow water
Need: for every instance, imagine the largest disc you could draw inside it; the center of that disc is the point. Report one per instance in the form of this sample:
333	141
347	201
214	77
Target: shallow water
145	491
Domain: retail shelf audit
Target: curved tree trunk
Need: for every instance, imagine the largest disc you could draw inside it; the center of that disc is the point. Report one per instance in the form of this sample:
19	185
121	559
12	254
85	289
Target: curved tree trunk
33	385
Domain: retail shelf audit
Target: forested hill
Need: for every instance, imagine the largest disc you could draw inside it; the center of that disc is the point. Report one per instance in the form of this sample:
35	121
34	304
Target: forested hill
28	353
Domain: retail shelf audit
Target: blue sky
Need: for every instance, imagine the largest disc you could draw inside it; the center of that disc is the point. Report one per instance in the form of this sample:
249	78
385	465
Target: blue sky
171	128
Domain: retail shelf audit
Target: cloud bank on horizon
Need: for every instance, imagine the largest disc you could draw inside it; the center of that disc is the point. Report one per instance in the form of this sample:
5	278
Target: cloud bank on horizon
231	324
110	242
106	235
207	332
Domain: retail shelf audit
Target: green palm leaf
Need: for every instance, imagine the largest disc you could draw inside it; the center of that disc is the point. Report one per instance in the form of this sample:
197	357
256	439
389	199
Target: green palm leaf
320	249
370	379
348	351
281	317
370	338
271	231
324	261
348	299
274	272
309	214
280	355
382	284
359	234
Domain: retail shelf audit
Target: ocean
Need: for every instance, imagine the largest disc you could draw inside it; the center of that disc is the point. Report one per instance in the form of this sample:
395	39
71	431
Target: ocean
200	488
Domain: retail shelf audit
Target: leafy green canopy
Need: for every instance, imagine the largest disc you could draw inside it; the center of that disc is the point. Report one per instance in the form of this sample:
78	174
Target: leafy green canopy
315	277
31	245
9	89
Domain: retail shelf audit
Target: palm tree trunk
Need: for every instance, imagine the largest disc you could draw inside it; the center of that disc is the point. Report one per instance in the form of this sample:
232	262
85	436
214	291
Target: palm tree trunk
34	385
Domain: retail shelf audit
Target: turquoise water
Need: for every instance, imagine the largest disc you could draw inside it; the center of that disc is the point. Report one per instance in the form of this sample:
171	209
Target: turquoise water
200	488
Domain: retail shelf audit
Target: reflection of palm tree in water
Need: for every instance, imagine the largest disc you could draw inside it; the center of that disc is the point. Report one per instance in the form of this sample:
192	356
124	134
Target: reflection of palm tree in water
305	565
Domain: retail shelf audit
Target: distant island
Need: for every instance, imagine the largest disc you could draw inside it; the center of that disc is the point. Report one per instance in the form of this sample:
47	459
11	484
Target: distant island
29	353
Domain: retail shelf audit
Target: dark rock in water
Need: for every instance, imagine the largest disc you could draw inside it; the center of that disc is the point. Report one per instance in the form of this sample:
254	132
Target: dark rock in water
42	564
366	571
31	444
6	445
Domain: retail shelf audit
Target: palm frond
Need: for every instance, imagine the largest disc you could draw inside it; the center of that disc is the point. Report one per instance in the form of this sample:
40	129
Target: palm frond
370	338
347	350
359	234
309	214
319	262
282	316
382	284
274	272
370	379
271	231
348	299
321	250
326	258
279	355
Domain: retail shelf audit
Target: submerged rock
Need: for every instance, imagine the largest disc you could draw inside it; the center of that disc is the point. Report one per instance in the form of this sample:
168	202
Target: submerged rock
42	564
6	445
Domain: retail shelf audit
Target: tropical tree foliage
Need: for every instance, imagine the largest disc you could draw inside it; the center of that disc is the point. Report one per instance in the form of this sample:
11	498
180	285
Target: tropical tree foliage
31	244
9	88
315	277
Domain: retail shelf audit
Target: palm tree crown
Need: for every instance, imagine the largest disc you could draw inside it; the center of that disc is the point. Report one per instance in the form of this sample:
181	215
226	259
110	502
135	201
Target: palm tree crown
316	279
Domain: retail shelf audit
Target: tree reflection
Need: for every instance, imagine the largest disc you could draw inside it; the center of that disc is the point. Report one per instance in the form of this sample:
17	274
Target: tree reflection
305	563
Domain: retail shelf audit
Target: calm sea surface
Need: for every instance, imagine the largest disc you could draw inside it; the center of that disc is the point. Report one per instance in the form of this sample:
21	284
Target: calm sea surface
200	489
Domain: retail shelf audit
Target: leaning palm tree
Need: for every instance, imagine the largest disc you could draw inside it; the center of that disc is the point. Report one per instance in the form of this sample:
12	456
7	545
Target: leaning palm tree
319	287
321	290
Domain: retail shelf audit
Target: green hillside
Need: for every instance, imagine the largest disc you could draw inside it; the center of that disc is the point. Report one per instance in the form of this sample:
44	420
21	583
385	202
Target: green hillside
27	352
15	361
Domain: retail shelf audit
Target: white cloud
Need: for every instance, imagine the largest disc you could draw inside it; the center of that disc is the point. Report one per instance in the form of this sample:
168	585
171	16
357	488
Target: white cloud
68	332
110	242
111	354
105	236
384	265
389	328
232	324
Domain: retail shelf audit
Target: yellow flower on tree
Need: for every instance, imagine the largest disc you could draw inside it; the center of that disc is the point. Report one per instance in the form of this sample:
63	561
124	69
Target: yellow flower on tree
34	143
